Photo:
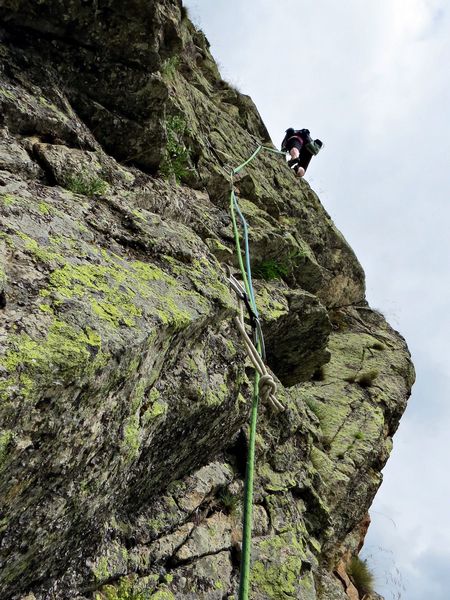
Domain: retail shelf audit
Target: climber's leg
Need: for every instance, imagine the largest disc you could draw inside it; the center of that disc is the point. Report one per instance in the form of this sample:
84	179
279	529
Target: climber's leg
303	161
294	152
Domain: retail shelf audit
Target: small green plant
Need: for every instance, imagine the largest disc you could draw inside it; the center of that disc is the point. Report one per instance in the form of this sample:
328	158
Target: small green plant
86	184
359	435
229	501
170	66
392	574
361	575
366	379
270	269
176	158
297	253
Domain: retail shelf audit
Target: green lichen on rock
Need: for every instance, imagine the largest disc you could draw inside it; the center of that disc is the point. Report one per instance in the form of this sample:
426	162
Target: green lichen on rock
6	437
131	437
156	407
279	574
110	294
275	481
3	279
49	105
271	302
162	595
112	564
130	588
3	276
47	254
45	208
7	199
65	352
117	291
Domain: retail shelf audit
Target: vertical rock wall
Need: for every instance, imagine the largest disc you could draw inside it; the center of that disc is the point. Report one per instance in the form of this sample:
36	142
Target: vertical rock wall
124	389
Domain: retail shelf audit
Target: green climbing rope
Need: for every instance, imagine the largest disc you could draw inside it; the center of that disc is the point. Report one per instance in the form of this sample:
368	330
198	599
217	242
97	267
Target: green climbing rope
233	203
254	155
244	584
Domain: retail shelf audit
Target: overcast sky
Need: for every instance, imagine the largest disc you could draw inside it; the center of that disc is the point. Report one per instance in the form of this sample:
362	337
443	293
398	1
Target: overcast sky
372	79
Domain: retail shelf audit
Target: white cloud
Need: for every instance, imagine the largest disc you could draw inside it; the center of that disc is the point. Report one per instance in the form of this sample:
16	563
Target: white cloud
408	532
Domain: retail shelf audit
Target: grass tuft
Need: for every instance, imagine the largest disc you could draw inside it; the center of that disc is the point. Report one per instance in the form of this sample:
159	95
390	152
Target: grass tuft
361	575
177	156
270	269
229	502
170	66
87	185
366	379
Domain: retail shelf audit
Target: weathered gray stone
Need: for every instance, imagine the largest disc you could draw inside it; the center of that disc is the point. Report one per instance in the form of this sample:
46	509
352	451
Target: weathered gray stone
210	537
297	340
14	158
331	588
196	488
206	579
165	547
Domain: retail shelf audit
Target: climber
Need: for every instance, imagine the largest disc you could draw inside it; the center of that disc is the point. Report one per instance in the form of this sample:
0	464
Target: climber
301	148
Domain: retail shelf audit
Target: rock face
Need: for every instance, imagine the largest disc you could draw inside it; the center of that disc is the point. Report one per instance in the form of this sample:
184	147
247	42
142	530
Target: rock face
124	389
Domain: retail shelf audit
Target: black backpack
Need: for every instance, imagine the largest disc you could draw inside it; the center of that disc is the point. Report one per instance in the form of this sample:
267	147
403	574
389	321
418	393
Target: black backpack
303	133
289	133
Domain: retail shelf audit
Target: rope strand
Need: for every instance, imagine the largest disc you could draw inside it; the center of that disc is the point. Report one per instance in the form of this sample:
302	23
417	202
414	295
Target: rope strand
264	384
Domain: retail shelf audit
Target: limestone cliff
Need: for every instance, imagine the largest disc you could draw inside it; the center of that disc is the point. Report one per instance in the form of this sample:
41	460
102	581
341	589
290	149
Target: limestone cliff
124	389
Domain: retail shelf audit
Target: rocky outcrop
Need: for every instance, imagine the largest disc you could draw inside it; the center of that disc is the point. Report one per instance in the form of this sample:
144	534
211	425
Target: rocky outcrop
123	384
